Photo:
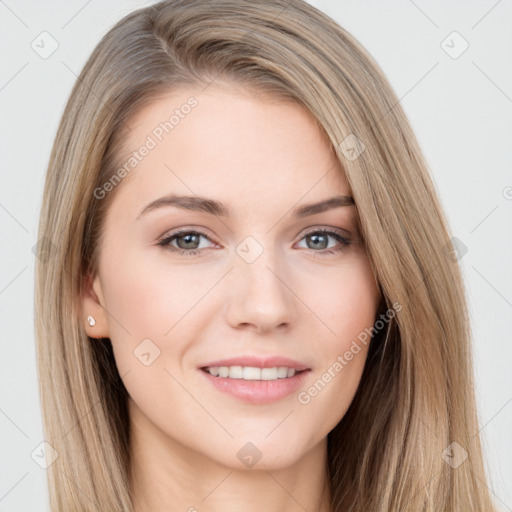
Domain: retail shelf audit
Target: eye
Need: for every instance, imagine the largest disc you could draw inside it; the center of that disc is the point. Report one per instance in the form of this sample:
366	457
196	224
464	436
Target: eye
188	241
320	239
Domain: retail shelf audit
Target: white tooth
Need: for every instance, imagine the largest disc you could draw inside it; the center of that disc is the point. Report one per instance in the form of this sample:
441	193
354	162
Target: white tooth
282	372
235	372
214	370
252	373
269	374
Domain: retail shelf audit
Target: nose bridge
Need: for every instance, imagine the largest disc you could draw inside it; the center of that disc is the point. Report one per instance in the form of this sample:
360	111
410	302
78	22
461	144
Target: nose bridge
259	284
257	266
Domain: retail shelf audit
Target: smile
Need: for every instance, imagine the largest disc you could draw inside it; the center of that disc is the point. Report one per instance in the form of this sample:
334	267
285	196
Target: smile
251	372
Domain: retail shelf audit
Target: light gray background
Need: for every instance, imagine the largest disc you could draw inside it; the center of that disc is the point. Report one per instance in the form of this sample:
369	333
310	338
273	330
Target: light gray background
459	107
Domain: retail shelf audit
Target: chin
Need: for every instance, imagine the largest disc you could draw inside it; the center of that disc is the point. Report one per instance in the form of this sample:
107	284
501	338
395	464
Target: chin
254	454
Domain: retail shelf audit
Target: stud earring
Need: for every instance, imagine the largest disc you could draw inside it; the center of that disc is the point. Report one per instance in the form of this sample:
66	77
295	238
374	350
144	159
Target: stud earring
91	320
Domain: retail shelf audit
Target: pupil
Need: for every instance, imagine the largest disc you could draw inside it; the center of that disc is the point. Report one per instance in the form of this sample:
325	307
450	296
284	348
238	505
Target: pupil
315	237
188	237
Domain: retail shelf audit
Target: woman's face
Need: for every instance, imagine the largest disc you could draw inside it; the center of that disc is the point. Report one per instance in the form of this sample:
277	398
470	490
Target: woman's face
249	285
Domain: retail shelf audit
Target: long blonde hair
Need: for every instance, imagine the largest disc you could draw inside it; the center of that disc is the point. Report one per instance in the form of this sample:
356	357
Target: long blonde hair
392	449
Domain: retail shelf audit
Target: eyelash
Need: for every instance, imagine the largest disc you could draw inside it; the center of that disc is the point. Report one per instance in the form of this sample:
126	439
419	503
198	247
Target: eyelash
165	242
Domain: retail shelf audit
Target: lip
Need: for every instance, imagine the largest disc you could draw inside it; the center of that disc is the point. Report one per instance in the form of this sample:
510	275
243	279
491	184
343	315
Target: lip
259	362
257	391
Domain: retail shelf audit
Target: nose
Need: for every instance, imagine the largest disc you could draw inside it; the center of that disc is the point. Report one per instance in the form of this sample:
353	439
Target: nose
260	295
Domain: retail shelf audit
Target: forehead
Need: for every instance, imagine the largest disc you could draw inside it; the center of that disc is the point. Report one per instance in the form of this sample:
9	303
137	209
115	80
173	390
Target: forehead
227	141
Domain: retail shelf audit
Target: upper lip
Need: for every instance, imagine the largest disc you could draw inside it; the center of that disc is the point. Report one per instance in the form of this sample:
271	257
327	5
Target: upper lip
259	362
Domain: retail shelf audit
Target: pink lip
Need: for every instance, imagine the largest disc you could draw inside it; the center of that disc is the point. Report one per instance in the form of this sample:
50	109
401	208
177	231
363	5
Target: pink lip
257	391
259	362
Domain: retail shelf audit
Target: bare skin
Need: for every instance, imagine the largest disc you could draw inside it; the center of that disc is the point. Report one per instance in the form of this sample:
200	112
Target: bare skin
262	159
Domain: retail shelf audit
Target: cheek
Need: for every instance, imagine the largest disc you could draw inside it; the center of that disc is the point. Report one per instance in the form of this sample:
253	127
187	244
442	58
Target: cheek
347	302
148	308
348	306
150	299
156	314
326	397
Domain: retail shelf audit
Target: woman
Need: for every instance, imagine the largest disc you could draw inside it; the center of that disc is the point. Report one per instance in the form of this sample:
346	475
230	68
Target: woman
195	353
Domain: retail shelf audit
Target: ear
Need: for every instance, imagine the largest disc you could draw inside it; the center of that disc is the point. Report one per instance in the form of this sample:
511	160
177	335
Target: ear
93	304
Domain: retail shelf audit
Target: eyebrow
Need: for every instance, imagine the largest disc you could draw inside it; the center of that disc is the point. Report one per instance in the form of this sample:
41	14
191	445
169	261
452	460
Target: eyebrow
213	207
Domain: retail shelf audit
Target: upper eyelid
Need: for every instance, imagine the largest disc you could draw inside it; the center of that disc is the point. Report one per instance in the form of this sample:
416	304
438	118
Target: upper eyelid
338	231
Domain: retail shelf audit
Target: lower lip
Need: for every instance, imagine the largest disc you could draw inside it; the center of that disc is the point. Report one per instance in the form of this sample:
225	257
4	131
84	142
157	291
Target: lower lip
258	391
